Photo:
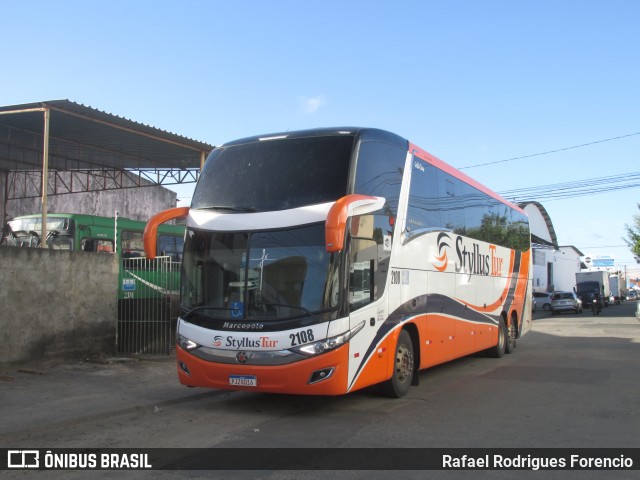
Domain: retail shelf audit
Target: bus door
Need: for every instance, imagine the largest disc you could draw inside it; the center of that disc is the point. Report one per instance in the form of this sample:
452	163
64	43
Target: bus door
368	266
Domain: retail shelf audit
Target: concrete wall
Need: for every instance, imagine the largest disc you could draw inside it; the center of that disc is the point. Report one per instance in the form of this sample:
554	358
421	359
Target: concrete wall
56	304
133	203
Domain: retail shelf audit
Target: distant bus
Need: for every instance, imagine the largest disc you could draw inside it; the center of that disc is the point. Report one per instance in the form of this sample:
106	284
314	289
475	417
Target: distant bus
325	261
91	233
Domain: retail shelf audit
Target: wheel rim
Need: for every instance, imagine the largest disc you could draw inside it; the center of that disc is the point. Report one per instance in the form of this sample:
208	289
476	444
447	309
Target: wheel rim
404	363
512	334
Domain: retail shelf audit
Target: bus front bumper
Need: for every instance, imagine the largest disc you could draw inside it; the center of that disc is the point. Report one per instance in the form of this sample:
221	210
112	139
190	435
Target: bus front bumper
324	374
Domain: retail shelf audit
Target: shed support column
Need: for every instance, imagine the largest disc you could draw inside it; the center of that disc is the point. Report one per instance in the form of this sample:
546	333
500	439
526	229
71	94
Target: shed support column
45	177
4	194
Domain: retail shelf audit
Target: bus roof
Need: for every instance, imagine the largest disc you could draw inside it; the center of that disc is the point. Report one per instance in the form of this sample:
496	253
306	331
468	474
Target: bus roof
363	134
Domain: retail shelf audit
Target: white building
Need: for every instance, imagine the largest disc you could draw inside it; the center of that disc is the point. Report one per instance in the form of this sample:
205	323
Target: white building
554	267
566	262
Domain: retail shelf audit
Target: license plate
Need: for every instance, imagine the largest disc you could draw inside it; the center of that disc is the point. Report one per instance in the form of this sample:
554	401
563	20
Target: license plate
243	380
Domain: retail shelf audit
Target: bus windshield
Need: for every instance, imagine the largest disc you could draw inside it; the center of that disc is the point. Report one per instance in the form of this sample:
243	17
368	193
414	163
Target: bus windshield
26	224
275	175
25	232
259	275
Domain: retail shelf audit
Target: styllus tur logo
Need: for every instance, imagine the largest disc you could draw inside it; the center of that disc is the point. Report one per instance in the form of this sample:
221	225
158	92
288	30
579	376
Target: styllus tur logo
442	261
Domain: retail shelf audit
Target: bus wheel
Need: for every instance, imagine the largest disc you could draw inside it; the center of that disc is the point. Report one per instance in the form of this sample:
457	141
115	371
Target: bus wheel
499	349
510	345
400	382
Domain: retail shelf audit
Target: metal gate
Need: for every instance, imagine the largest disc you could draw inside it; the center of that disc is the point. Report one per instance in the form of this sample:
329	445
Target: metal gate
148	305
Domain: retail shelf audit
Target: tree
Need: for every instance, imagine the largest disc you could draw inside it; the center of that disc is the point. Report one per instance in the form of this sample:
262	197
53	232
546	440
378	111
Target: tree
633	236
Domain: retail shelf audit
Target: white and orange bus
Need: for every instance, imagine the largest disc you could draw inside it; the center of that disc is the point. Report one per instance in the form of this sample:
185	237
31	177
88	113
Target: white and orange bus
324	261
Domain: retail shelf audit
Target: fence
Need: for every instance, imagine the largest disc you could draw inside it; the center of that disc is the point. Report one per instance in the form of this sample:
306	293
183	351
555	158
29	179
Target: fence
148	305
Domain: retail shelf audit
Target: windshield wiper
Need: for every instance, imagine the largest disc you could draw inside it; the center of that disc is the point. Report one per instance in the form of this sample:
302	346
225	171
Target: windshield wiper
228	208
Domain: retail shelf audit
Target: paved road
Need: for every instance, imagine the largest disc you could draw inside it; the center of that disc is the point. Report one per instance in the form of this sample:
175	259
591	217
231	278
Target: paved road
573	382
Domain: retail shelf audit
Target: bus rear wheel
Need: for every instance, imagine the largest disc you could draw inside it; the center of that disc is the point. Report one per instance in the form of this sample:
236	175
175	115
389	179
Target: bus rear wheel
498	350
400	382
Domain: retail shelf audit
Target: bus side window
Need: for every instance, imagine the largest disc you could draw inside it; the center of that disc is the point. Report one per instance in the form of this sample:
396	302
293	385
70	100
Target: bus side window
379	173
104	246
425	204
132	244
96	245
88	245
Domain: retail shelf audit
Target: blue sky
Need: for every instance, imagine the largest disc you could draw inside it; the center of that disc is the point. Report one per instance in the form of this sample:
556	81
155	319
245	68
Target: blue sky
470	81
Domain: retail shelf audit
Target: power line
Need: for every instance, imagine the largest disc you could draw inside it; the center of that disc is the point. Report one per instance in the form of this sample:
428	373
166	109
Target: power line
550	151
559	191
599	246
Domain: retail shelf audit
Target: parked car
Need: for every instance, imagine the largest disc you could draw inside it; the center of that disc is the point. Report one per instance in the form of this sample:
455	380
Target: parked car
565	302
632	295
542	300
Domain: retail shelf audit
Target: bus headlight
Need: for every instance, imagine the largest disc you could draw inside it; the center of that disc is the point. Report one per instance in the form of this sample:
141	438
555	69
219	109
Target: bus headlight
187	344
328	344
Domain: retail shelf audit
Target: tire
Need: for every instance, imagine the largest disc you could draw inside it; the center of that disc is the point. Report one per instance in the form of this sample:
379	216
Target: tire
512	334
498	350
400	382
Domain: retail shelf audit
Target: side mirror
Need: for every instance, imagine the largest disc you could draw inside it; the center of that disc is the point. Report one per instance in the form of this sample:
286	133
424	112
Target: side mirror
150	235
345	207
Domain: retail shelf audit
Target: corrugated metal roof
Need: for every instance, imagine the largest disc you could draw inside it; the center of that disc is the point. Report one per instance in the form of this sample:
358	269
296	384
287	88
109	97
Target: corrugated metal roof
82	137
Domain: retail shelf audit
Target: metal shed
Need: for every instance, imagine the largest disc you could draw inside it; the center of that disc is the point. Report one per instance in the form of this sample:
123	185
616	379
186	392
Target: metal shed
95	149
